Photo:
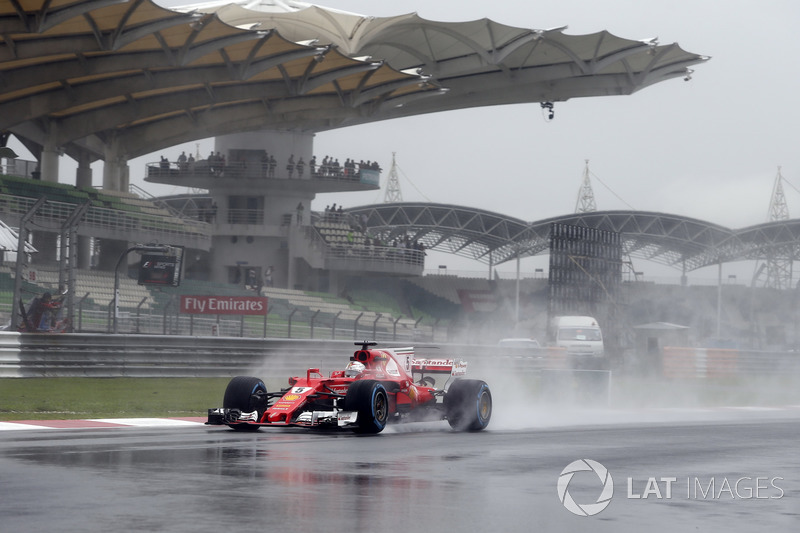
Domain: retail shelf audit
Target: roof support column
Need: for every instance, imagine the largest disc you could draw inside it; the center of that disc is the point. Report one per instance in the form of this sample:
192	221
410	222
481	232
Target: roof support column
47	243
48	162
83	175
124	175
83	178
719	299
115	169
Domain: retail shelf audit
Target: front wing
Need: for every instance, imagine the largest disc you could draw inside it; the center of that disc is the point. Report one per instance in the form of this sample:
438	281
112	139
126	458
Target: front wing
311	419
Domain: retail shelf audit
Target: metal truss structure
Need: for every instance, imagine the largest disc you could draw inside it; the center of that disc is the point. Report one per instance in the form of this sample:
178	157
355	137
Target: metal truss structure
673	240
778	262
393	192
586	202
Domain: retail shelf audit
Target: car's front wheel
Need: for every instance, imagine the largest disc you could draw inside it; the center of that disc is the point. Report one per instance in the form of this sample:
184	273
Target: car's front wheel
247	394
468	405
370	400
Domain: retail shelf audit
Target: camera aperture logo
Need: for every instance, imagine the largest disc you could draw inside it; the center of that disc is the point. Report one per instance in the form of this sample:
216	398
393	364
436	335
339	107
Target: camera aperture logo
606	493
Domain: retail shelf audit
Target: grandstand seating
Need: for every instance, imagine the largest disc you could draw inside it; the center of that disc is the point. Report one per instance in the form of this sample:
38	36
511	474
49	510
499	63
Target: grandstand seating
130	201
331	306
58	192
152	215
99	286
475	294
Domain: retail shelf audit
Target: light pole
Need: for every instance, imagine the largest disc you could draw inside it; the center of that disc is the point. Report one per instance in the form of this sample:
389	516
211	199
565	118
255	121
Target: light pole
137	248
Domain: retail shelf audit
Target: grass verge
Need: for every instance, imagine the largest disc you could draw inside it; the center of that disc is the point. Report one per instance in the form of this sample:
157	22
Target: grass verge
75	398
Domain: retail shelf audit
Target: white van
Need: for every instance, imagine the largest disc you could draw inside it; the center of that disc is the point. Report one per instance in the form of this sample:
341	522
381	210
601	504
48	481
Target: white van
581	336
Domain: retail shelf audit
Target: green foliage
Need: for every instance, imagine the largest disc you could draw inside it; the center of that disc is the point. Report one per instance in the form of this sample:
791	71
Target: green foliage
75	398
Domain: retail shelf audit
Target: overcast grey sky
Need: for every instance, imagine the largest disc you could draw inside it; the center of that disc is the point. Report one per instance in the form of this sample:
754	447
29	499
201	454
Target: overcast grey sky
707	148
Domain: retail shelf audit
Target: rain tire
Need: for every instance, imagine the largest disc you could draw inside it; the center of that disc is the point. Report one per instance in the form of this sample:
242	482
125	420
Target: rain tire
468	405
246	394
371	401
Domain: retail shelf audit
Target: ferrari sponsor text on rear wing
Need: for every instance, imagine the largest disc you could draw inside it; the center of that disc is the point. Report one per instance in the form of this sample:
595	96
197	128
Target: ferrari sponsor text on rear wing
454	367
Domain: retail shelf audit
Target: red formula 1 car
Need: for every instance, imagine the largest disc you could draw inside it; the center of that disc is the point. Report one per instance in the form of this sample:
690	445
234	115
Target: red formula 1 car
378	386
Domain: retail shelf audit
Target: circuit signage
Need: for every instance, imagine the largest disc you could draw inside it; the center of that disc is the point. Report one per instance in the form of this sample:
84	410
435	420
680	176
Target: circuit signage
162	268
224	305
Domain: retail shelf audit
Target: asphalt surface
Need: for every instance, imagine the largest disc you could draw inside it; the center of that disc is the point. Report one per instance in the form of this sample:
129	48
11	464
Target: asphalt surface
416	477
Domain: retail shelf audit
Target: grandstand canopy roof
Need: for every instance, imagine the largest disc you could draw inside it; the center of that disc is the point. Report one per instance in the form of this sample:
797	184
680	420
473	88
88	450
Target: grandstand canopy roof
9	240
494	238
84	75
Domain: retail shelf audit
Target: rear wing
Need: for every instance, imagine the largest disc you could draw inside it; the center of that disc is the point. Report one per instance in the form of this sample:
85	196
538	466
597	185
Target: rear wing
405	356
454	367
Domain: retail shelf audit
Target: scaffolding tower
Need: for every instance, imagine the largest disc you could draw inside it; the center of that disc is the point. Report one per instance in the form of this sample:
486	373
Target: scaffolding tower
393	193
586	203
777	265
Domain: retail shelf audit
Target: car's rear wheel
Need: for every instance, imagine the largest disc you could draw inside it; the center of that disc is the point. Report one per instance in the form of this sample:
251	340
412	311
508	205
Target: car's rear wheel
246	394
468	405
370	400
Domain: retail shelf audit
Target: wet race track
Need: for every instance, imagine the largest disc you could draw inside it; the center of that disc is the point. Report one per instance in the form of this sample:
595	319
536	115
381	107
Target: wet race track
669	471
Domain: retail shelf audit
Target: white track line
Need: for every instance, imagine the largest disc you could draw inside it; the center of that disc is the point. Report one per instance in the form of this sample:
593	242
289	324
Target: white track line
98	423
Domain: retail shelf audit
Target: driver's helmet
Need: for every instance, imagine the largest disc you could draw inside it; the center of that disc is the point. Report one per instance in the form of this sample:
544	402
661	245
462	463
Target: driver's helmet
354	368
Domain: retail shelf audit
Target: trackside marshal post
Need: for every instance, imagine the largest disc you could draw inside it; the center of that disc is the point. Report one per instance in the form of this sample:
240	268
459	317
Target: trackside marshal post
224	305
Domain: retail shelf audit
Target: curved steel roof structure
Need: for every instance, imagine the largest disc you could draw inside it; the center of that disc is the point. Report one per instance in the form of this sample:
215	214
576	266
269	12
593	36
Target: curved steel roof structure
85	75
494	238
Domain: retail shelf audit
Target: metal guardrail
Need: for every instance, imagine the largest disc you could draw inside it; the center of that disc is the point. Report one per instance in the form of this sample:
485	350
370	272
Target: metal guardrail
101	355
254	170
88	355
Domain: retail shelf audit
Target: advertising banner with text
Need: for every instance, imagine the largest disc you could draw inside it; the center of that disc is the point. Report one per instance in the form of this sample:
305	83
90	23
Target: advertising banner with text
224	305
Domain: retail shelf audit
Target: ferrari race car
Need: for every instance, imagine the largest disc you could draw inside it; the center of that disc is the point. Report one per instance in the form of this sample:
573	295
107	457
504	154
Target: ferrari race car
377	386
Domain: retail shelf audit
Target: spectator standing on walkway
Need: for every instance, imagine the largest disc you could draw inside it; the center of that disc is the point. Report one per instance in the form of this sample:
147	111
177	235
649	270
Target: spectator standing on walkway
290	166
300	168
265	165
